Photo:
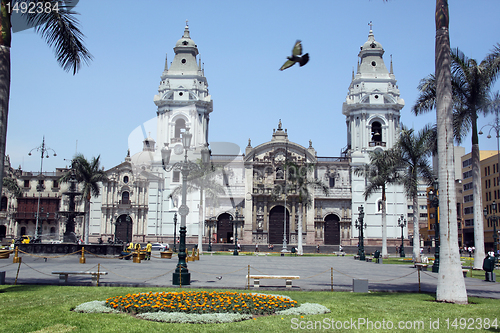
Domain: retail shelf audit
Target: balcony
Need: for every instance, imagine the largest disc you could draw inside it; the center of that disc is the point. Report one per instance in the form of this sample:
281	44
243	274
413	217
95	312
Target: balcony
32	216
125	203
377	144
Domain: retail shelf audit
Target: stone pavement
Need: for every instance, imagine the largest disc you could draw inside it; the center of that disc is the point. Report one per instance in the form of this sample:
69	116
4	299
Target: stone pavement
227	271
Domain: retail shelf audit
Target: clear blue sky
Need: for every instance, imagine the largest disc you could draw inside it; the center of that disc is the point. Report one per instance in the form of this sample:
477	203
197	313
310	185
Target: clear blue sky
242	44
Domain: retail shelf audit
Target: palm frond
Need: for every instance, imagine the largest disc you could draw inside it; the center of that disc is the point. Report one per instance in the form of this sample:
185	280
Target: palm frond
414	151
382	170
61	31
89	174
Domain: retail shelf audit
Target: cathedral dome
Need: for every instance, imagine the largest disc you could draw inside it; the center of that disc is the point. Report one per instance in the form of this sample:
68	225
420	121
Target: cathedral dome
186	44
371	43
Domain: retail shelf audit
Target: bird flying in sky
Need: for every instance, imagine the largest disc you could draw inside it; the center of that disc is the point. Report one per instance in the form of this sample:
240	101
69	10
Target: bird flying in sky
296	56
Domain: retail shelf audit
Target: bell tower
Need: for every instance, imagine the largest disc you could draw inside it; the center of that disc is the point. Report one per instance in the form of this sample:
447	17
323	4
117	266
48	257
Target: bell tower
372	109
183	100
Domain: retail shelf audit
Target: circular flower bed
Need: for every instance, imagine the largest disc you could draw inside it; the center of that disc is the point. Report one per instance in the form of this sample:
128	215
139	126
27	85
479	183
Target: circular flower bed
201	302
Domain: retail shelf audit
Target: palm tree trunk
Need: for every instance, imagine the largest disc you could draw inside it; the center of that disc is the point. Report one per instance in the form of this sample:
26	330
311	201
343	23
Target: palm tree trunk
300	249
86	223
5	43
478	207
416	231
450	284
385	255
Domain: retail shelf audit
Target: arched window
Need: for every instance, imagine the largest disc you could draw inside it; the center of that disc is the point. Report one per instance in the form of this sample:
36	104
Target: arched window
125	197
376	132
180	124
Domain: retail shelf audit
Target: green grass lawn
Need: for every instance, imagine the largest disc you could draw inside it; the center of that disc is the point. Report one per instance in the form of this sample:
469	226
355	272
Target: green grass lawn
36	308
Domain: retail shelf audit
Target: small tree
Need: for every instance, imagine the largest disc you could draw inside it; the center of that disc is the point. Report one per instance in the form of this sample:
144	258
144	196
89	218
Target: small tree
89	174
414	150
381	171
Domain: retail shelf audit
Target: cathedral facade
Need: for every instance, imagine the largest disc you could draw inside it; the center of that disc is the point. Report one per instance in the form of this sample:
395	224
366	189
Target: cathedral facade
262	201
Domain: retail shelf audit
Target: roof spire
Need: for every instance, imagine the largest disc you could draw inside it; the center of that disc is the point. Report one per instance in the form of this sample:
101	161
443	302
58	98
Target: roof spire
391	71
186	31
370	24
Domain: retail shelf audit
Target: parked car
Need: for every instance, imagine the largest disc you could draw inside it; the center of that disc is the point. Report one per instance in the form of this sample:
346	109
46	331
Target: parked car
160	247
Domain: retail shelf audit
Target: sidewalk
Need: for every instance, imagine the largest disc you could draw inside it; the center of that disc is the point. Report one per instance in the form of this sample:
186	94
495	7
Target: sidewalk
227	271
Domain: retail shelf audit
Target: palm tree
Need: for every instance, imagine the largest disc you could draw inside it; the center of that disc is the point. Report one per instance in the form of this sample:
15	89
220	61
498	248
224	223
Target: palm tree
59	29
451	284
203	179
304	186
414	150
89	174
471	83
382	170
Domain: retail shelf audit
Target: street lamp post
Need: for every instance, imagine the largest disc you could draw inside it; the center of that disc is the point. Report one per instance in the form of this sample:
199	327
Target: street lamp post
494	220
496	127
210	223
434	199
181	276
235	221
43	149
402	224
175	230
360	226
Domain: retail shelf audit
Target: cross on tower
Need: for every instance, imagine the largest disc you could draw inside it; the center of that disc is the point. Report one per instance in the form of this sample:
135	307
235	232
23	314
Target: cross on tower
370	24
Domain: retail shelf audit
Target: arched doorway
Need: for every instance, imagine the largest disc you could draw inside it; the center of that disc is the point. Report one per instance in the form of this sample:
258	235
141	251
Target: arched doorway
332	230
3	204
224	229
276	221
123	229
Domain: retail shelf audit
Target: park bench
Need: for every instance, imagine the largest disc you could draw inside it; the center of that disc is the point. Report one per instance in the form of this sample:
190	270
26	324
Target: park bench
63	275
288	279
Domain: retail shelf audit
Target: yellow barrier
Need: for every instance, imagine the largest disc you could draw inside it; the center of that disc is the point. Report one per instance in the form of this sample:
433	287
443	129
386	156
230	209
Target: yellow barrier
82	258
16	259
137	256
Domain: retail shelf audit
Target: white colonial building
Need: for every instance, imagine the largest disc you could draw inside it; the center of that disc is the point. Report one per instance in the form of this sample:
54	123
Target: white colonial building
136	203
